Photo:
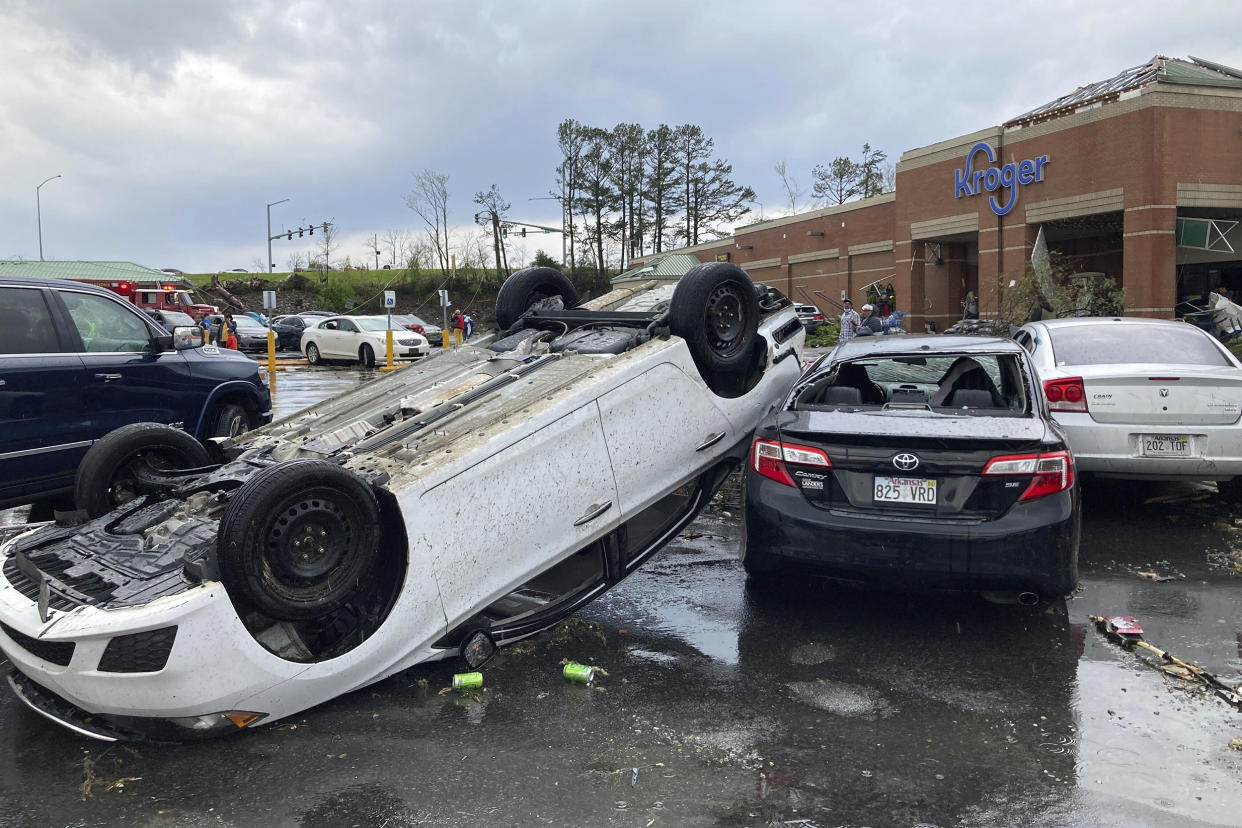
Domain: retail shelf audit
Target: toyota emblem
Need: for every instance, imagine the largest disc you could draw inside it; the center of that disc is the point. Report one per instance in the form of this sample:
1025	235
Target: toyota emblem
906	462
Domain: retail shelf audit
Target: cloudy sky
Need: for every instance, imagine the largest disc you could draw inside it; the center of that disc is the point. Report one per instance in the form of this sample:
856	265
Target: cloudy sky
174	123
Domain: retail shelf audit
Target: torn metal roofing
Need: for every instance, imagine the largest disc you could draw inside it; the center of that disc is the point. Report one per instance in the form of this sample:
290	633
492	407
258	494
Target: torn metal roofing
1193	72
661	266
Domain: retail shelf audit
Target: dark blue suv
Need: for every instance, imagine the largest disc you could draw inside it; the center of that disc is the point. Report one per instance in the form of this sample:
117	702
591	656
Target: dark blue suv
77	361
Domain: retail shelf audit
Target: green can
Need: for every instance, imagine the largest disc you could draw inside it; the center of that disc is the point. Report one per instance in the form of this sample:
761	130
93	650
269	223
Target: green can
467	681
580	673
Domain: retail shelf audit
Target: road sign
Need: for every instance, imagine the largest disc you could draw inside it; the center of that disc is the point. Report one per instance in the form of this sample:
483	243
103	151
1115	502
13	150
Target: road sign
390	298
444	300
269	300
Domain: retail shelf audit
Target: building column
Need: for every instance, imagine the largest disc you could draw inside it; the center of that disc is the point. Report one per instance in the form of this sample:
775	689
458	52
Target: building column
908	281
1149	261
989	271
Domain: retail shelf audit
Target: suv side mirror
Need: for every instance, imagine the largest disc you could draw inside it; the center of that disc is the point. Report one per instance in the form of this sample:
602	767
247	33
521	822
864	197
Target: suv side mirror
187	336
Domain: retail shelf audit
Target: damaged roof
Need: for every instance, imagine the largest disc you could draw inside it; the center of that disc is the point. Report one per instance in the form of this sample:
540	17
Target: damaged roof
1193	72
660	266
99	271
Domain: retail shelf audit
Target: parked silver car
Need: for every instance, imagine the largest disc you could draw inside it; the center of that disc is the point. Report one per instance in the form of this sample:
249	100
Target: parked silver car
1142	398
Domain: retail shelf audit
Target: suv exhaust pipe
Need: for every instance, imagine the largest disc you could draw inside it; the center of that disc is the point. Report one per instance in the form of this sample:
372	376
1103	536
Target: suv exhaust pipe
1028	599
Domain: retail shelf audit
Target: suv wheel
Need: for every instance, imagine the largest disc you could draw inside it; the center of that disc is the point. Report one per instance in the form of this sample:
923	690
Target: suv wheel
230	420
109	474
299	539
714	308
526	287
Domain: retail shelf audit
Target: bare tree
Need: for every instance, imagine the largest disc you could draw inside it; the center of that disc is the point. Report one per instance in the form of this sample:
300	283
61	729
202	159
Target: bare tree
496	207
429	199
326	243
792	189
296	261
395	243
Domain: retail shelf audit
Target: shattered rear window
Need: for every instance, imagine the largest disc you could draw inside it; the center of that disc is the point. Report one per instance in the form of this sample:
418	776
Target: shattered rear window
988	384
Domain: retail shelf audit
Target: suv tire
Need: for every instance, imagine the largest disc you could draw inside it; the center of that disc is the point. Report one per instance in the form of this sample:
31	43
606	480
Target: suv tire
528	286
106	475
714	308
229	420
299	539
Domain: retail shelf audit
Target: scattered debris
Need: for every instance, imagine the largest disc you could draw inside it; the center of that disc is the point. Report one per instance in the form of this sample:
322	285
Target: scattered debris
1126	631
1236	743
581	673
467	681
1160	579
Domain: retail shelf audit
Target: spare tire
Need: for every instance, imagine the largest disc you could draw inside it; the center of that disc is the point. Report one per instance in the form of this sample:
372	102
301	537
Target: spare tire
526	287
714	308
299	539
107	475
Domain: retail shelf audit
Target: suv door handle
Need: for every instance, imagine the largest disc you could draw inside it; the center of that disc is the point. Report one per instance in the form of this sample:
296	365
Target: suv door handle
107	377
593	511
712	439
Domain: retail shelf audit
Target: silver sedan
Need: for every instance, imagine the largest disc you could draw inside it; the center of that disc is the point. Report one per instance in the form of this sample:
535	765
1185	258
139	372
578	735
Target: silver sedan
1142	398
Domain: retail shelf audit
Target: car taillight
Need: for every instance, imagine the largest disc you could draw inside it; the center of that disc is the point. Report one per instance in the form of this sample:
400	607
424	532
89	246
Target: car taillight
819	317
1066	394
1050	473
768	458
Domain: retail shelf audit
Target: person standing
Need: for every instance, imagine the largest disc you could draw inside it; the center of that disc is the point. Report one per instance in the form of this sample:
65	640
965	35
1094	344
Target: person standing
970	306
467	325
873	322
230	332
850	320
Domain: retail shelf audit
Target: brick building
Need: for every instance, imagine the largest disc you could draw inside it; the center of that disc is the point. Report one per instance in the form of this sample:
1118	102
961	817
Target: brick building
1138	177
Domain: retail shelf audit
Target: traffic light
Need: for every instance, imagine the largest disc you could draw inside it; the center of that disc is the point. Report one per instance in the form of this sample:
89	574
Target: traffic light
311	230
504	232
290	235
299	232
523	232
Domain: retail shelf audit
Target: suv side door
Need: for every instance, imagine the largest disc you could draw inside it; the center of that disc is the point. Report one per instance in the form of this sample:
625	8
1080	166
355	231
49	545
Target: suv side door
45	421
127	380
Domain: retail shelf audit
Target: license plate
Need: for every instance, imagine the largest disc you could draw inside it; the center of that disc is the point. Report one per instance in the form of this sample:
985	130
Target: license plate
905	490
1164	445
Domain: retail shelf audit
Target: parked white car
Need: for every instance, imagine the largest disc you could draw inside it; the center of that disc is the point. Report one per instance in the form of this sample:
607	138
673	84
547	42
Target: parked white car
359	338
1142	398
459	504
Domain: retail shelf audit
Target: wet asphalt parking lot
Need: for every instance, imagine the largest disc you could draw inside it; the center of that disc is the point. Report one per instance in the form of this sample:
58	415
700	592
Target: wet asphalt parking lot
725	705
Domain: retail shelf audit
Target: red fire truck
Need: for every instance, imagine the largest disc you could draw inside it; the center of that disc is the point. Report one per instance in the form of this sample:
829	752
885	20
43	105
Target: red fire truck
157	297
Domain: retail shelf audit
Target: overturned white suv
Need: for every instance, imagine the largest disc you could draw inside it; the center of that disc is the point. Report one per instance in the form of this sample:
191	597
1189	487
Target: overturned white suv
445	509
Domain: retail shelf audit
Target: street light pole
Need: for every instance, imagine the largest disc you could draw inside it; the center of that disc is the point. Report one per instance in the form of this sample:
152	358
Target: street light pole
270	263
39	213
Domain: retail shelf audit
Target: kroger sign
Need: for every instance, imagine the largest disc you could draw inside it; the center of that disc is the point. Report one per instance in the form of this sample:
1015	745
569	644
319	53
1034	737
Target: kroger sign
972	182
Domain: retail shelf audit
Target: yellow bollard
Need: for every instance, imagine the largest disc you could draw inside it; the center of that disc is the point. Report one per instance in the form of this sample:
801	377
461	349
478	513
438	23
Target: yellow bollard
271	361
388	347
444	339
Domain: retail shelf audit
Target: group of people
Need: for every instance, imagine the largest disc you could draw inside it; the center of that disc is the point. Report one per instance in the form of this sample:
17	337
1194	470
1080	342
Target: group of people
222	332
883	299
853	325
462	322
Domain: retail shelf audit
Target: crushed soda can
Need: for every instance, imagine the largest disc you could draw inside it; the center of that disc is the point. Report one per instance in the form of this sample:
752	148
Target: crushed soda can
467	681
580	673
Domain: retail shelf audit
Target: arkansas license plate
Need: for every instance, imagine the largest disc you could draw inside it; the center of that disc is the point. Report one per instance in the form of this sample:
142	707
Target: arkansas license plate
1164	445
905	490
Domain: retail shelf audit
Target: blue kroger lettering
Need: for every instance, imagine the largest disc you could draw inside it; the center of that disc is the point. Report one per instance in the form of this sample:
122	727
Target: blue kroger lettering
971	182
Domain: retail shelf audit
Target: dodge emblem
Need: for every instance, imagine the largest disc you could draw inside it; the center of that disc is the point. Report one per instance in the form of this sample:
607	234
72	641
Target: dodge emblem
906	462
1164	392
